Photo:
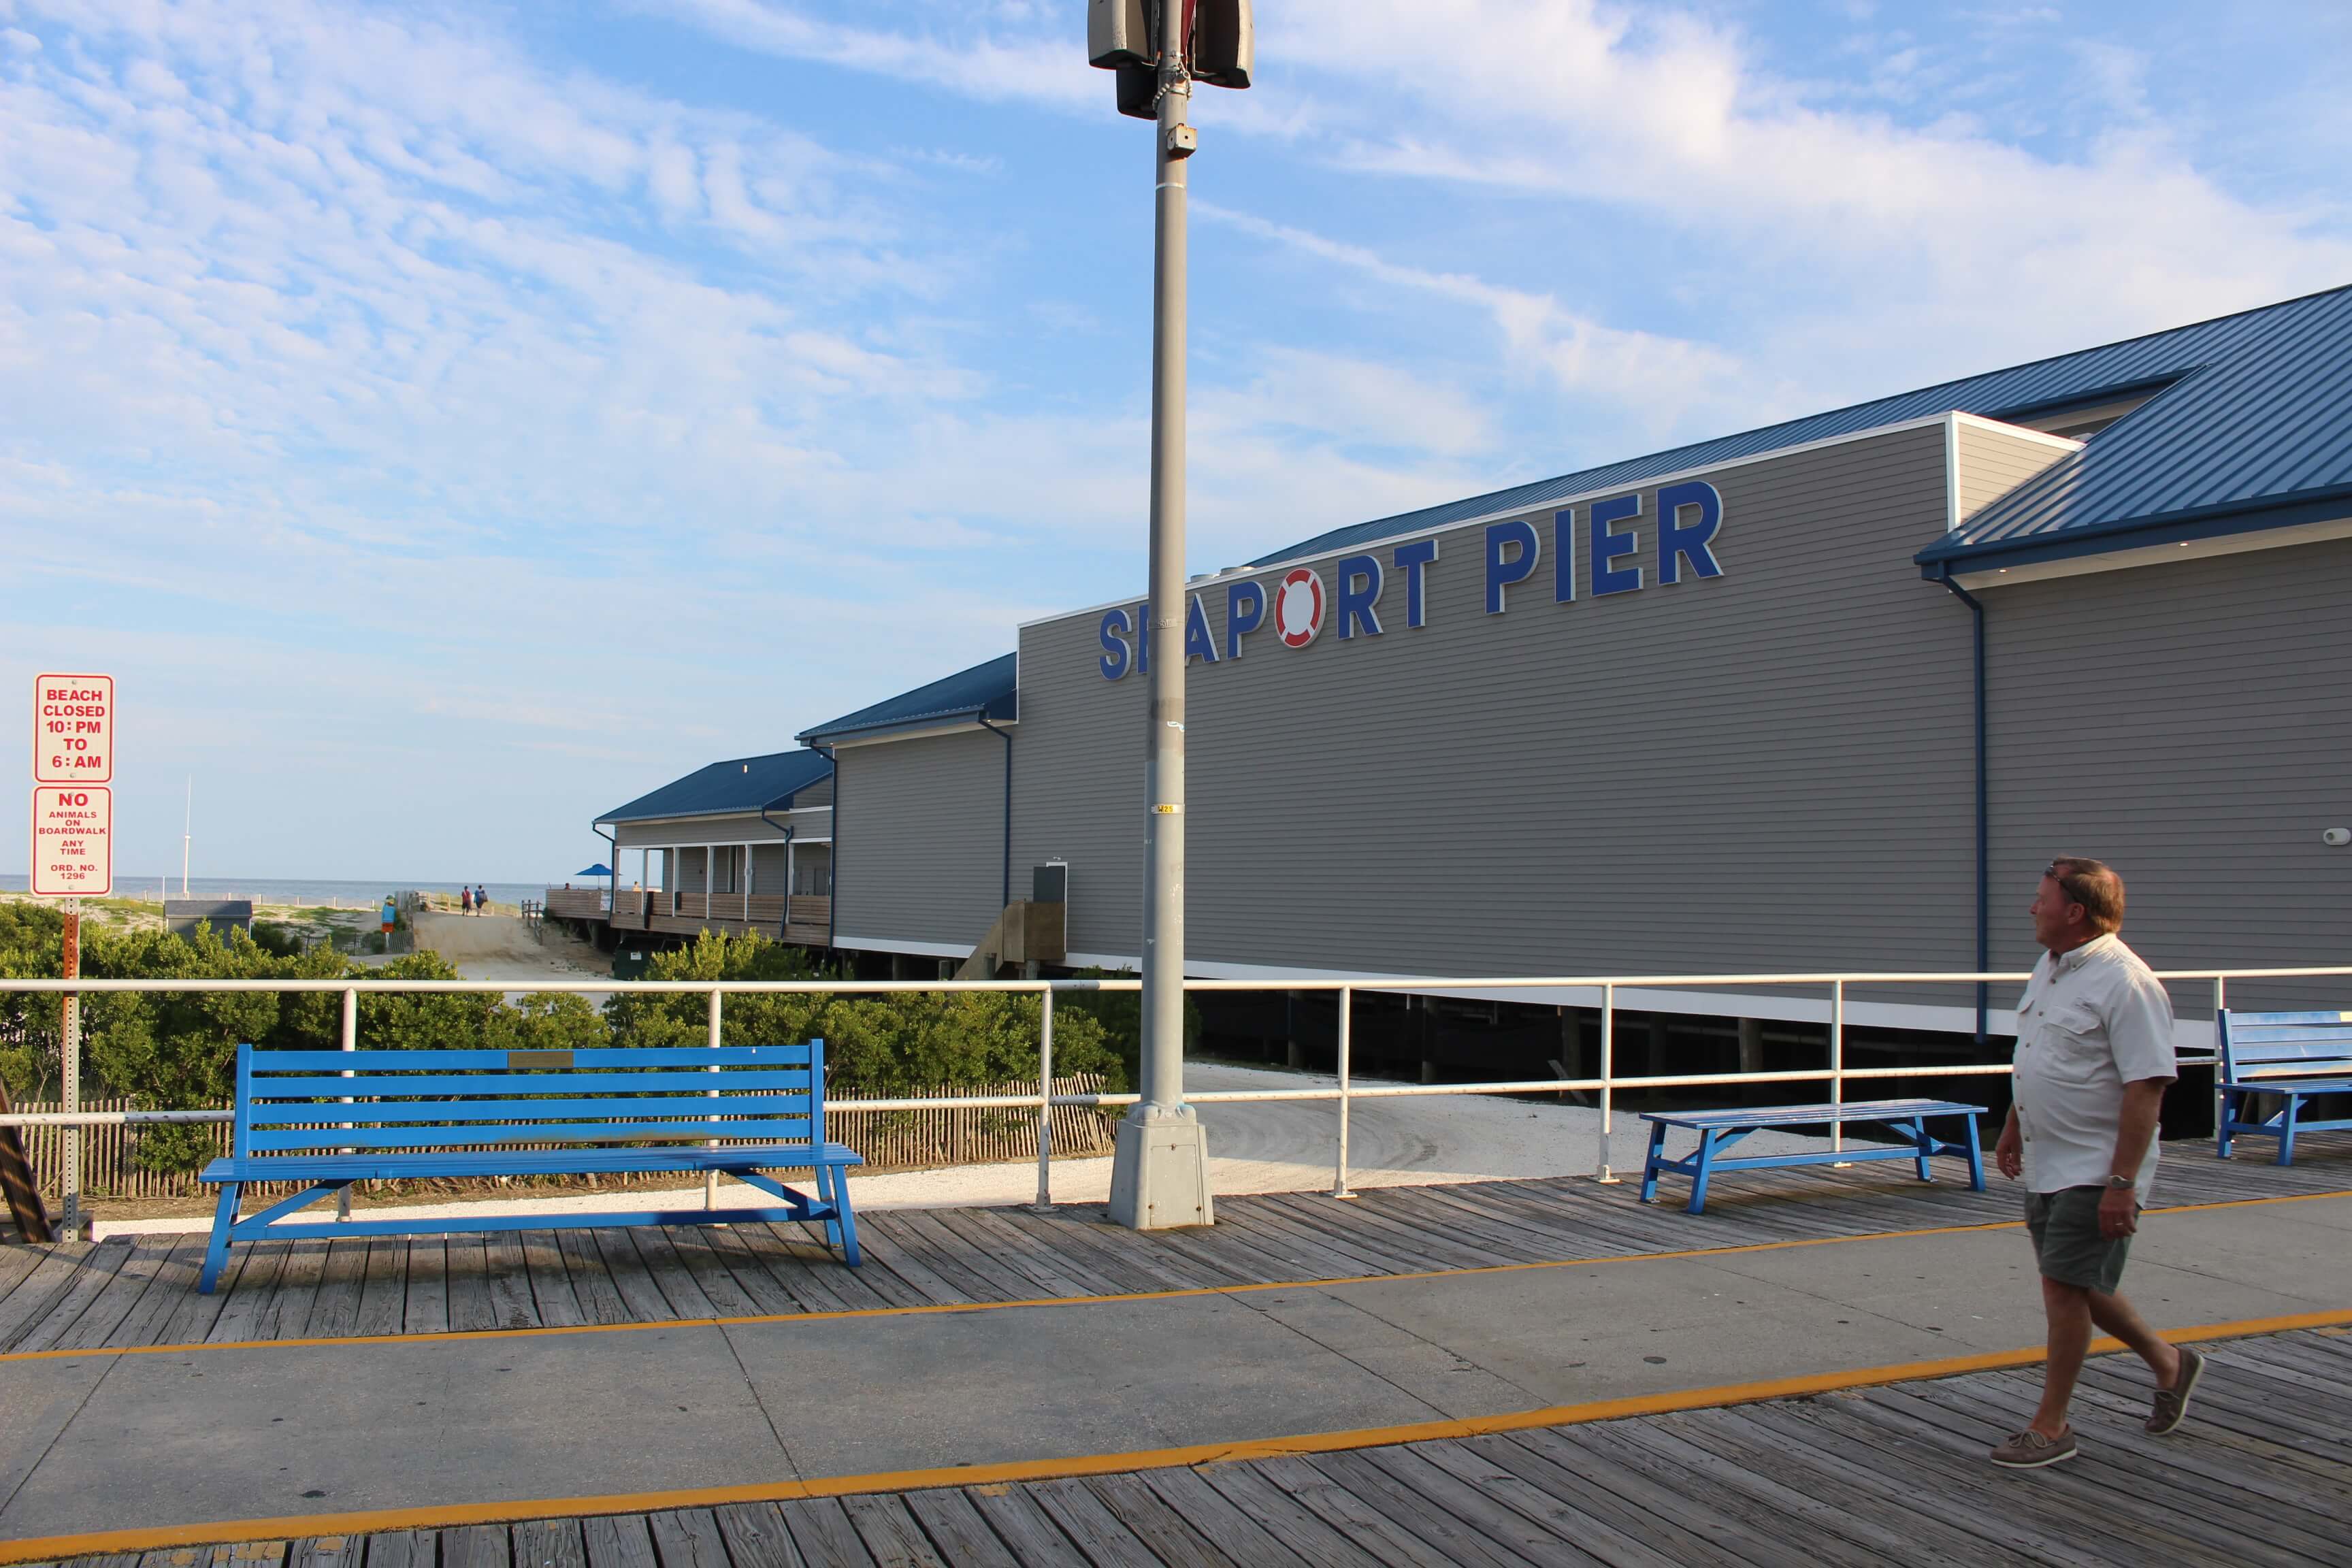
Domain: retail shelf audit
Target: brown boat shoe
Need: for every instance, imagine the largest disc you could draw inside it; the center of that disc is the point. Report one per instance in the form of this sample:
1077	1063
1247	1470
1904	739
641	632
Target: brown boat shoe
2030	1450
2172	1404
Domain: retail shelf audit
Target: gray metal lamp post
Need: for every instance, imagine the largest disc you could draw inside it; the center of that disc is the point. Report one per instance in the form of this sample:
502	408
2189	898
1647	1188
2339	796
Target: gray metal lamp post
1160	1174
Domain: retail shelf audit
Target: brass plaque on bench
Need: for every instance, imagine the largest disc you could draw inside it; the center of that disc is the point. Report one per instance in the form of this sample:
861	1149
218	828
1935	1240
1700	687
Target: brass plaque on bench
538	1059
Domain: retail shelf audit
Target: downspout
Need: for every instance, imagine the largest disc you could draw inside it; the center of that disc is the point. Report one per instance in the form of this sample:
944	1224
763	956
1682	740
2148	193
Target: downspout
789	829
1984	815
833	858
1004	890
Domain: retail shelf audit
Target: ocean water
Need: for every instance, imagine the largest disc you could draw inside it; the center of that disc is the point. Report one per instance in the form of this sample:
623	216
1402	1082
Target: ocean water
304	892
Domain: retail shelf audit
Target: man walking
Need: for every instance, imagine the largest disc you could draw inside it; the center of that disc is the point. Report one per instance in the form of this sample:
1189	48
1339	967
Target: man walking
2094	1054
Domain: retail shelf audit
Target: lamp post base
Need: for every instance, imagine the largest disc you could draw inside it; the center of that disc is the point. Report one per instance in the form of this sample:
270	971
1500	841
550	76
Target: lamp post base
1160	1170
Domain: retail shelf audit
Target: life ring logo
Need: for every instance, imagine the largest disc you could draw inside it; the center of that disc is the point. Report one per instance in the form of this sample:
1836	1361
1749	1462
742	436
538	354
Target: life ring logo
1299	607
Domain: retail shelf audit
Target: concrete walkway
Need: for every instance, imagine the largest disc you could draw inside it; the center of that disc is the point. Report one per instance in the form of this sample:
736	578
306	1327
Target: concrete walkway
186	1435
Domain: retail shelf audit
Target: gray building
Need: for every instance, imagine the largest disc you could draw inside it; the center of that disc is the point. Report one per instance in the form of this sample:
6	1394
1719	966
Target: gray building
1823	695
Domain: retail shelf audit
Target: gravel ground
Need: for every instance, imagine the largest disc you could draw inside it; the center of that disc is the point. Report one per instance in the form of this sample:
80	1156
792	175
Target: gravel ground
1284	1146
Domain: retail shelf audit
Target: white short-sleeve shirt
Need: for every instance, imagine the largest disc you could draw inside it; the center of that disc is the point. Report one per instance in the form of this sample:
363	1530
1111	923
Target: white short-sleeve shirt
2091	1021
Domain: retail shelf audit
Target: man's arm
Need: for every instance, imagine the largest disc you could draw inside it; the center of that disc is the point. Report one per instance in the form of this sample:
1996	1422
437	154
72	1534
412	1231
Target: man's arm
2009	1153
2143	1101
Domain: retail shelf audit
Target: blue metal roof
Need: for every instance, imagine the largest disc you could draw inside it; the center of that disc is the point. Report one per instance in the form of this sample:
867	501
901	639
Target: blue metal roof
740	784
2259	435
984	691
2284	339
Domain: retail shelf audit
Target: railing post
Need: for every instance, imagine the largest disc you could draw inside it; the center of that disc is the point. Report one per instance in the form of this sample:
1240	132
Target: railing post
2220	1001
69	1048
710	1178
1045	1102
1339	1169
1837	1062
351	1043
1608	1079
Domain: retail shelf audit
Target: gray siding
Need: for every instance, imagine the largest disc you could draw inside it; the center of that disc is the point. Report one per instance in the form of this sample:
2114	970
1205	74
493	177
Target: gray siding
2191	724
749	827
920	840
1770	769
1992	464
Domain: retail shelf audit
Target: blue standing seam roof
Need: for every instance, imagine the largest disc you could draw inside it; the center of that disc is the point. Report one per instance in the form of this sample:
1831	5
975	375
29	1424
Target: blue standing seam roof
2292	336
984	691
2259	435
739	784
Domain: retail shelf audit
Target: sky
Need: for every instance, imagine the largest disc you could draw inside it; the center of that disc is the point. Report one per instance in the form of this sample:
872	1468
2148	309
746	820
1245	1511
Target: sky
450	422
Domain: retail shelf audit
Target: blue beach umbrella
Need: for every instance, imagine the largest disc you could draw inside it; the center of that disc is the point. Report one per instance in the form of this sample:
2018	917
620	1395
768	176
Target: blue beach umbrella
594	871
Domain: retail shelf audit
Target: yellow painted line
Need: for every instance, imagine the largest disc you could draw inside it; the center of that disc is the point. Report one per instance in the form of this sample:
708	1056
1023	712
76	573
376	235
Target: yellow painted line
1238	1289
55	1548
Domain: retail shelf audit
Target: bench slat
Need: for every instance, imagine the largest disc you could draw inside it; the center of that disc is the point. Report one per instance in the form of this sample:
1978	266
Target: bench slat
473	1085
777	1131
365	1113
601	1057
1795	1115
522	1162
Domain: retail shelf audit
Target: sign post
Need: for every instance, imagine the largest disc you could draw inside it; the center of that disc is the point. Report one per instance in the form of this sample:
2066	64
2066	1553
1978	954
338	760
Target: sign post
73	856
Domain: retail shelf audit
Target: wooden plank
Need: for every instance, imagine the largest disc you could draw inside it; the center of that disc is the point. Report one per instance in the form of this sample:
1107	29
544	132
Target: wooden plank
86	1271
766	1265
631	1279
425	1308
1065	1277
383	1288
175	1287
402	1549
891	1532
1616	1496
757	1536
688	1538
1215	1515
767	1295
508	1281
17	1260
247	1283
1138	1269
141	1274
556	1304
957	1530
477	1546
1305	1250
881	1246
669	1276
1082	1517
1153	1521
288	1315
1417	1247
1328	1500
1031	1535
717	1282
548	1543
821	1531
467	1281
325	1551
990	1280
1505	1509
592	1290
1281	1516
1374	1488
613	1541
336	1306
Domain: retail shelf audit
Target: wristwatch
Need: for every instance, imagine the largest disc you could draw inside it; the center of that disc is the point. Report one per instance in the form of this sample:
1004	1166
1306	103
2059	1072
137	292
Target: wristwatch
2119	1183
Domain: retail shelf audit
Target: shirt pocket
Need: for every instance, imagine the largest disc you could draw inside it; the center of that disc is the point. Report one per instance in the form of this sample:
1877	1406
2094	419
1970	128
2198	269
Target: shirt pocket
2076	1039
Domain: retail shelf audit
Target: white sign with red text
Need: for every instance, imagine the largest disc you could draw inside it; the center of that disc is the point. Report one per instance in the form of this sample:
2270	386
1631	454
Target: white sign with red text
73	728
73	841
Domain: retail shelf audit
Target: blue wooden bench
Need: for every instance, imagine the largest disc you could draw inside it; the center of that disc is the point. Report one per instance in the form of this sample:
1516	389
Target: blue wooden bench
1719	1130
2297	1055
419	1114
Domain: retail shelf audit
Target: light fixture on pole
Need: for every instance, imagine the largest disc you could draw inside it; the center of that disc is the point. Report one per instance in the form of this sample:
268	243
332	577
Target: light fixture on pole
1159	1172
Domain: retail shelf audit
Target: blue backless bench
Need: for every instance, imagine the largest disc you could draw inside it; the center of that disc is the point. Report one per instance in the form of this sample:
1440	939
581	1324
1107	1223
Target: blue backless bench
1719	1130
2297	1056
419	1114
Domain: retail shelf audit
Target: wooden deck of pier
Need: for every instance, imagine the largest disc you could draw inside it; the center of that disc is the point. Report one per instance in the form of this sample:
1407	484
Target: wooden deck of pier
2258	1475
141	1291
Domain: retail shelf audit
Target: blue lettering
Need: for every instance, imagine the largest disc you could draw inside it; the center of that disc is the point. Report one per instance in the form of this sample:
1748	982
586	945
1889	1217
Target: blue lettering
1116	658
1607	545
1199	641
1563	564
1502	570
1359	607
1678	542
1412	560
1241	621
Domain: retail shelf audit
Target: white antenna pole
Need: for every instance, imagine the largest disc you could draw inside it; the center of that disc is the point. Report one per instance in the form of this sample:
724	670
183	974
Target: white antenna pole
187	828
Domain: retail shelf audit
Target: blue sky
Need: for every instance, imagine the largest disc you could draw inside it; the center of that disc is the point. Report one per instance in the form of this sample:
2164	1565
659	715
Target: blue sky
450	422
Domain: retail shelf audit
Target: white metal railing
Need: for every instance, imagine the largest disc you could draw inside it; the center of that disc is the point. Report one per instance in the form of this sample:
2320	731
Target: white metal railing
1343	1092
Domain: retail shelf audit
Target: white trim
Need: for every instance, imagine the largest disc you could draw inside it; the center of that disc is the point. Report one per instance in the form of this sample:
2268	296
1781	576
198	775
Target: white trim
1558	502
927	733
2157	554
1952	472
842	941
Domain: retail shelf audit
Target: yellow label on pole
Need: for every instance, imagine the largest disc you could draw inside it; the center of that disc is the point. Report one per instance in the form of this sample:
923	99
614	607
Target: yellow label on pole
1166	810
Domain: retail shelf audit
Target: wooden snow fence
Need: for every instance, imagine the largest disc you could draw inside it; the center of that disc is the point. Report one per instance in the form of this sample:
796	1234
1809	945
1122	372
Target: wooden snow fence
891	1140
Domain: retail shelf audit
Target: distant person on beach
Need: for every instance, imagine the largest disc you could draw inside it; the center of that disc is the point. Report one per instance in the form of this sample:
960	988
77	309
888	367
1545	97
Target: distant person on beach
2093	1054
391	915
464	899
481	899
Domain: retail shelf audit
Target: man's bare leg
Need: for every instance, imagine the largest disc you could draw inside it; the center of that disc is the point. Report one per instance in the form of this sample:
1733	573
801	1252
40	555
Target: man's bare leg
2115	1315
2068	1308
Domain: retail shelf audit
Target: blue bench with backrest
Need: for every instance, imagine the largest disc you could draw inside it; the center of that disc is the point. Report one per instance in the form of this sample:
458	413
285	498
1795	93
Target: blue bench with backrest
327	1119
1719	1130
2297	1056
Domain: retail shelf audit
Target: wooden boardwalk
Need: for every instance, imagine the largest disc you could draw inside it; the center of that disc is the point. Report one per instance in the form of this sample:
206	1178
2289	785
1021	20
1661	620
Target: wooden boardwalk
2258	1475
141	1291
